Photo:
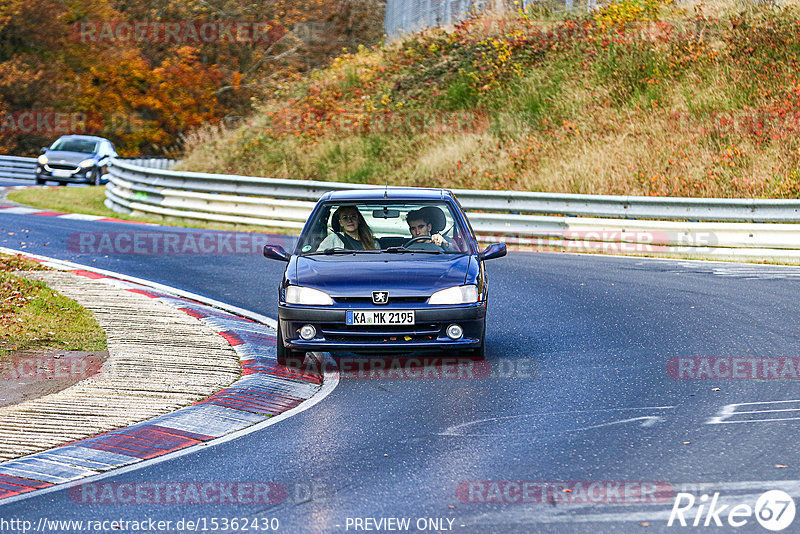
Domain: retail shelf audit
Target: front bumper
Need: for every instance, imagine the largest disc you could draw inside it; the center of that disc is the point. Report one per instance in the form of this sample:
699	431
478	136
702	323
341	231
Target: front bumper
81	175
428	332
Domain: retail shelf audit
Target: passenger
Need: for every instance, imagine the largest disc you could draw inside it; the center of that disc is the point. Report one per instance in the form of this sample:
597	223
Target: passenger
350	231
420	226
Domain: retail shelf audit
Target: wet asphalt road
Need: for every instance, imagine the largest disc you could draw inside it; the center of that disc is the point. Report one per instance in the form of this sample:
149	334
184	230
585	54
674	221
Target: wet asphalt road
578	392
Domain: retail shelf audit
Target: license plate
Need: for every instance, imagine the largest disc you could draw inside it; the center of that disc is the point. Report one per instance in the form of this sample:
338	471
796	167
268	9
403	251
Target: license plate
61	173
385	318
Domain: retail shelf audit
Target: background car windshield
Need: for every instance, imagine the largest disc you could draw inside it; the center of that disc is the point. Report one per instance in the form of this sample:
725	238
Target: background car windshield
388	224
75	145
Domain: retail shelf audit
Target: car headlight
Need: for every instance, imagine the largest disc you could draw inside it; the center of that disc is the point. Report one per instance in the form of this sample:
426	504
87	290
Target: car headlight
42	159
307	296
86	163
455	295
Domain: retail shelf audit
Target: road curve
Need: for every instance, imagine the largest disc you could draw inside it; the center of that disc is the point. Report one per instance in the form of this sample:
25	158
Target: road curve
579	391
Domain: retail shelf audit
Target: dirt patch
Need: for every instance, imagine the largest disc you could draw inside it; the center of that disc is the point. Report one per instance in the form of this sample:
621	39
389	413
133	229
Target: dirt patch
26	375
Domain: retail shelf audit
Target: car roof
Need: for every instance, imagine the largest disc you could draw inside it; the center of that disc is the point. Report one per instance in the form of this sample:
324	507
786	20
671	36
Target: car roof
88	137
390	193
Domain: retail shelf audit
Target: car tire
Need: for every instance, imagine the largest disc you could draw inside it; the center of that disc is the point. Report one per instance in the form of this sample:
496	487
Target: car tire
39	181
281	352
480	352
287	356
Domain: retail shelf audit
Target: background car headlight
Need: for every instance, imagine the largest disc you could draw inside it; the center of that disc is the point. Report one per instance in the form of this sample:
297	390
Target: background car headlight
42	159
455	295
86	163
307	296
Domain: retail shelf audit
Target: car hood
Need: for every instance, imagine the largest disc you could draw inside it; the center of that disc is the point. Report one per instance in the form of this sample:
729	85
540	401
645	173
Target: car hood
61	156
401	274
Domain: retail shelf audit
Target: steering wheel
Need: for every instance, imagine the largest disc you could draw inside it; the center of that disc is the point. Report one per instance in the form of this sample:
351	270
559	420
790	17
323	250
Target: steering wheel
415	239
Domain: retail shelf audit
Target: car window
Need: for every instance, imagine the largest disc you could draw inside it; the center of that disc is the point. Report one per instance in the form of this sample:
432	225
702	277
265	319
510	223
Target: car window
388	225
85	146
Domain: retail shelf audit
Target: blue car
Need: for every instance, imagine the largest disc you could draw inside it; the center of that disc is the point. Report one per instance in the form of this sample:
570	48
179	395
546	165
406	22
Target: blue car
75	159
377	270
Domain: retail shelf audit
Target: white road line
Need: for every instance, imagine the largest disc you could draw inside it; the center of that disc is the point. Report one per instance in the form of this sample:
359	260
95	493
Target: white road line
325	361
771	411
764	402
454	430
755	421
330	383
729	410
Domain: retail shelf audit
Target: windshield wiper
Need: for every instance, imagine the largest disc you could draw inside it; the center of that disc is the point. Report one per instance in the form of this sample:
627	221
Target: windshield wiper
398	250
332	251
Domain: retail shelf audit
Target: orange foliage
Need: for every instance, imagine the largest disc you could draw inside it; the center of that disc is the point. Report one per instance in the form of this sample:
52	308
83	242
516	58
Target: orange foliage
143	95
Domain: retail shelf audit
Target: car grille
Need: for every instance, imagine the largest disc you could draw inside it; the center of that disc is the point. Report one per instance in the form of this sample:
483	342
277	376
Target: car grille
392	300
63	166
381	334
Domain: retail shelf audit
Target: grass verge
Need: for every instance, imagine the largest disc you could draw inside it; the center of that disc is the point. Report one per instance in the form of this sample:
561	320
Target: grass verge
34	317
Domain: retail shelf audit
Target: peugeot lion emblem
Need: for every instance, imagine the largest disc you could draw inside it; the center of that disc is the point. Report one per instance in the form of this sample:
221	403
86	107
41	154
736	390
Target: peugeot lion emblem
380	297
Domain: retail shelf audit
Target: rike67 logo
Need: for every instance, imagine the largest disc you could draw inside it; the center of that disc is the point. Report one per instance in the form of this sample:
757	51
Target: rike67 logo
774	510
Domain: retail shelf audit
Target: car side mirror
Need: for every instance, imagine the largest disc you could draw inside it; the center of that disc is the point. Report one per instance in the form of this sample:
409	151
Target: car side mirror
276	252
495	250
44	149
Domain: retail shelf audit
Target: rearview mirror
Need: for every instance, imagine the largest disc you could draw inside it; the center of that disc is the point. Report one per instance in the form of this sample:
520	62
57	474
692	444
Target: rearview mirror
276	252
495	250
386	213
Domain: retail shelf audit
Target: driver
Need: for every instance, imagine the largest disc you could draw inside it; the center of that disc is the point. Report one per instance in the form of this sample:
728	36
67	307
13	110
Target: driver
420	226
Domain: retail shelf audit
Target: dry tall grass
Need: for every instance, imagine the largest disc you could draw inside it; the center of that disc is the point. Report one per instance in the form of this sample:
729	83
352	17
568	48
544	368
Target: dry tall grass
566	122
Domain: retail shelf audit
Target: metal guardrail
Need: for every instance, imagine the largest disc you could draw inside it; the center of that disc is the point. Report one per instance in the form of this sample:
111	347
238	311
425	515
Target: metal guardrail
408	16
571	222
17	167
152	163
21	168
165	186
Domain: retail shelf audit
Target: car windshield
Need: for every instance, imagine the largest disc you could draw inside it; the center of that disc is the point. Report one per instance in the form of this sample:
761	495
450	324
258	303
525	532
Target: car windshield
397	227
85	146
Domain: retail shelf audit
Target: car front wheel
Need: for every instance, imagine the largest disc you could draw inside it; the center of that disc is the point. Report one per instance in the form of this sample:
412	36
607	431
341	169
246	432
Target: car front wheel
286	356
480	352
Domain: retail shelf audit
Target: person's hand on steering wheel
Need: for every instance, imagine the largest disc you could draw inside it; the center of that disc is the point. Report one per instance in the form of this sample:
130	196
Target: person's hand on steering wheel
438	239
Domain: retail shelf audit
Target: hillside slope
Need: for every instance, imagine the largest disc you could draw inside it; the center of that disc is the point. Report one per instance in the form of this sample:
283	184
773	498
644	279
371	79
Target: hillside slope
640	97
